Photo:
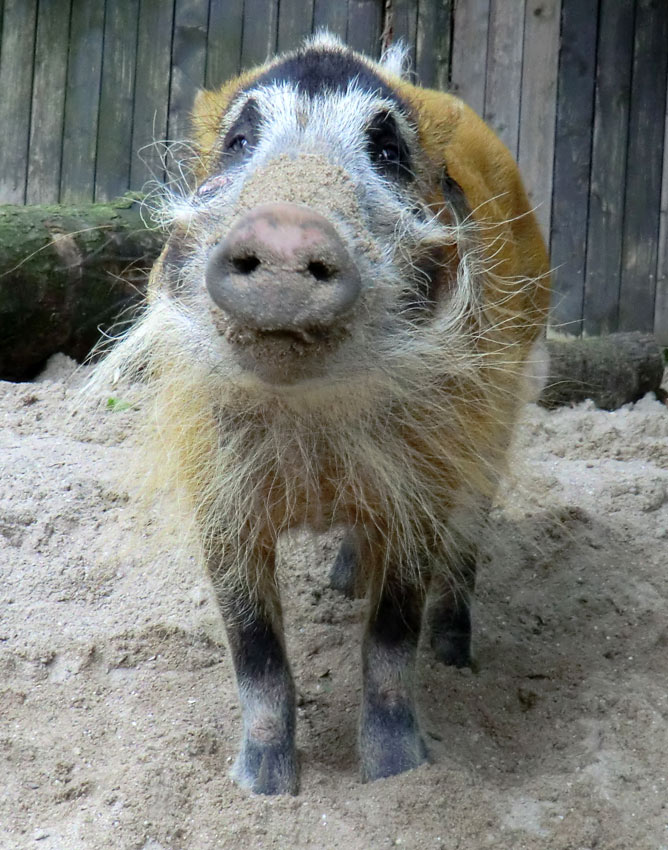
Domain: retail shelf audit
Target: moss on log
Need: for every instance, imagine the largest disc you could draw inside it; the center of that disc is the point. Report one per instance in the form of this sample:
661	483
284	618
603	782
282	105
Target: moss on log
65	273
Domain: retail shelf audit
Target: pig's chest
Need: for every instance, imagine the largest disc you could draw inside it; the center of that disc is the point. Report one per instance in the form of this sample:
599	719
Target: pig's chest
305	487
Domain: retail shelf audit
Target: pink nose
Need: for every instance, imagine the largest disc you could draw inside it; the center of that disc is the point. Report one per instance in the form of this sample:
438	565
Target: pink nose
283	267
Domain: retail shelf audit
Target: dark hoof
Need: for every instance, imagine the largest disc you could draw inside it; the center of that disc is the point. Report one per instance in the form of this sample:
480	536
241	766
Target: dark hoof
397	759
343	574
453	648
390	743
266	769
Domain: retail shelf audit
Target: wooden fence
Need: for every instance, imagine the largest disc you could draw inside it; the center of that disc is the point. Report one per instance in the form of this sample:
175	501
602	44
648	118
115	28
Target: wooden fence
576	89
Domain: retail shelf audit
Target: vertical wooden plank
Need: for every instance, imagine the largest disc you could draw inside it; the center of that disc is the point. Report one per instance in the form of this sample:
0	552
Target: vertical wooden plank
2	17
259	38
188	63
114	131
331	16
538	104
77	177
661	309
469	52
365	25
223	46
48	102
404	25
614	59
16	73
503	83
434	43
151	91
644	165
295	21
572	160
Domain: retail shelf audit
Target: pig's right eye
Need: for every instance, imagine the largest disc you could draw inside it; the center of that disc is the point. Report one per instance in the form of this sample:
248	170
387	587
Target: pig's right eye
242	136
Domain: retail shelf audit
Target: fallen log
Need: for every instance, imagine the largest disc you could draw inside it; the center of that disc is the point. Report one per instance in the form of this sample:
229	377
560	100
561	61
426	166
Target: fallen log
66	272
611	370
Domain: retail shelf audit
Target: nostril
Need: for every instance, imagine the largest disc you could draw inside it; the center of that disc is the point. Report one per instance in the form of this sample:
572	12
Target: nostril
245	265
320	271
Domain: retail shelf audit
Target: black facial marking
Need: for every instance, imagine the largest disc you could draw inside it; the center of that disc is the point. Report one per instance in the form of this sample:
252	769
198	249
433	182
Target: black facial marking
455	197
242	137
387	148
317	71
432	271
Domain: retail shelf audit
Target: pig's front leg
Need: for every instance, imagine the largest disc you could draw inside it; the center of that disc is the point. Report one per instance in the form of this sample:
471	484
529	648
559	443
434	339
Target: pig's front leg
390	738
267	760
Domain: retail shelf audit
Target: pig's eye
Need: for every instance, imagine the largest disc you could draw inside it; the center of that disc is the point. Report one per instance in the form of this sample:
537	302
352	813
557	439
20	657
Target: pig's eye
239	144
390	154
386	147
241	138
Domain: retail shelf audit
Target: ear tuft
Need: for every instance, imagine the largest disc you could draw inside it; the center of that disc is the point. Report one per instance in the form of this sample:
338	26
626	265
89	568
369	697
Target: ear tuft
323	38
395	59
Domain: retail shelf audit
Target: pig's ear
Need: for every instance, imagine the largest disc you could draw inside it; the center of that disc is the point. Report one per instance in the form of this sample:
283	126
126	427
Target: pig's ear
395	59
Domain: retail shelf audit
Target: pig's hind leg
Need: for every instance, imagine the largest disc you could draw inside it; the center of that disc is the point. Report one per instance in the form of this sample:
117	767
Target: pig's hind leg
344	574
449	613
267	760
390	738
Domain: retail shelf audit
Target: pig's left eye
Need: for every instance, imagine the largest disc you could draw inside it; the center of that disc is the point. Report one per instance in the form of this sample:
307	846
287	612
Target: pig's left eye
390	154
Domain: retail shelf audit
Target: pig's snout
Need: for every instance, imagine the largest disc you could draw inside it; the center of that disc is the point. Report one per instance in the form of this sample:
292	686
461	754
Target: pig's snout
283	267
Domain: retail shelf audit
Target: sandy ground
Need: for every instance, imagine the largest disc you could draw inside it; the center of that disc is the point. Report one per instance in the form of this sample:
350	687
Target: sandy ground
118	714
